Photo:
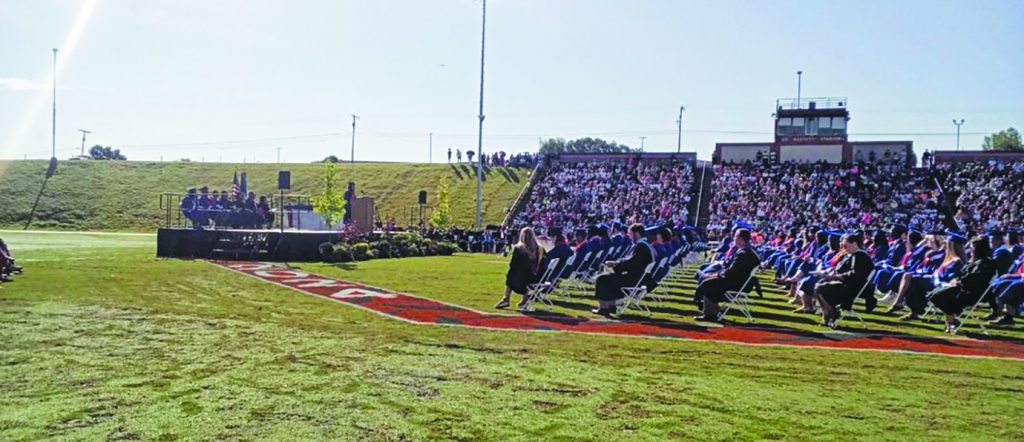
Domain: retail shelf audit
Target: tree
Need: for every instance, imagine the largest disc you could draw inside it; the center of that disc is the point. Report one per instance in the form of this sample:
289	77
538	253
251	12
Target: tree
1008	140
555	146
98	152
330	203
441	218
331	159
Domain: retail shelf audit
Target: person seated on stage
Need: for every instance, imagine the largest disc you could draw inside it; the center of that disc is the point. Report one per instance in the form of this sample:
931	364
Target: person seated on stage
203	205
524	268
887	279
916	285
840	286
968	286
189	206
1002	255
250	220
734	274
263	212
1006	295
624	273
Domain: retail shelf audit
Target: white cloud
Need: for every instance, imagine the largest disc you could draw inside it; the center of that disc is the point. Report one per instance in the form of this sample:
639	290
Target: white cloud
22	84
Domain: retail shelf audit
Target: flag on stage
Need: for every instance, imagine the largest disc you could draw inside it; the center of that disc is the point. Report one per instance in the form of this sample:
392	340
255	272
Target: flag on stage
235	190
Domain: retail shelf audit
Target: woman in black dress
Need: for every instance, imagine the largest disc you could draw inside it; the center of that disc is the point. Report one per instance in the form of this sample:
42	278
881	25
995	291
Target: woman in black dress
968	285
524	268
841	286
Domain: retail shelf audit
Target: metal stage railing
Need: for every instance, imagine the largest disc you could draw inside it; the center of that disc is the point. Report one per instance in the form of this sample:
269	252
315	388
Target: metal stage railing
285	211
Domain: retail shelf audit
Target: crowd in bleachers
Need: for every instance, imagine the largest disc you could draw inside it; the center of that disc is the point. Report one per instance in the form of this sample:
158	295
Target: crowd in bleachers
575	195
221	209
989	194
768	196
8	267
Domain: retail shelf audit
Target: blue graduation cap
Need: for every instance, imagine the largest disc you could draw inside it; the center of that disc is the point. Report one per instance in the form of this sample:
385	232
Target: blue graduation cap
554	231
898	229
651	230
958	237
742	224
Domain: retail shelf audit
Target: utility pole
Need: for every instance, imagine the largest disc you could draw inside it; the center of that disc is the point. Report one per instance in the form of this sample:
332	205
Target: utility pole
431	149
278	154
480	127
53	130
679	140
642	143
958	124
354	118
84	132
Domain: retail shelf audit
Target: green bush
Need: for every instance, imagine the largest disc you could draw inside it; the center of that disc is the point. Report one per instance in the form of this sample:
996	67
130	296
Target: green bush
342	253
446	248
361	251
326	251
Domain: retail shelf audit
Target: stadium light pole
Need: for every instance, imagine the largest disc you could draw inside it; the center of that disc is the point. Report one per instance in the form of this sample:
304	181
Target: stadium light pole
278	154
799	77
430	149
679	139
354	118
480	125
84	132
642	143
958	124
53	127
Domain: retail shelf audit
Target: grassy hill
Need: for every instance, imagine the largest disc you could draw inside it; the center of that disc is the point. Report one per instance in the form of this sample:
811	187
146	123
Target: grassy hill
119	195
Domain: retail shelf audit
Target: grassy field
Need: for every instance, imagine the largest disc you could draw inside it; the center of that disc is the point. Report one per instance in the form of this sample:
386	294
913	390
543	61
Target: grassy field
118	195
100	340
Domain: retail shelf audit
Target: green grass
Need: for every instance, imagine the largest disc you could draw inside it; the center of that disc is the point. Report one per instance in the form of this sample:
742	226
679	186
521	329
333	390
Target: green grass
124	196
100	340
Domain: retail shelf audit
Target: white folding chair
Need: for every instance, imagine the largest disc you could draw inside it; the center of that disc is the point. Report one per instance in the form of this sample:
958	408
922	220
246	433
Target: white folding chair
634	296
851	313
594	268
574	281
970	314
558	280
540	290
663	264
739	299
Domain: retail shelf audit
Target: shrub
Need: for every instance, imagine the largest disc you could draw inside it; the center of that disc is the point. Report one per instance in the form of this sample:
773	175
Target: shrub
384	253
326	251
446	248
361	251
342	253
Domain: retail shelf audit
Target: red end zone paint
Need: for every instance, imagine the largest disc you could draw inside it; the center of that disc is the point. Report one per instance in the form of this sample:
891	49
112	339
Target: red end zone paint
419	310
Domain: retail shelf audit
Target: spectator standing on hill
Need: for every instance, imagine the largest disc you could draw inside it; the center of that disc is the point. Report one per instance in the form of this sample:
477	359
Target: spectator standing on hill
449	155
458	155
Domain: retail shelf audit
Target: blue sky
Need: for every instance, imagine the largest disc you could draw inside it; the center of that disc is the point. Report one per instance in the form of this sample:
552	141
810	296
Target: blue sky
231	79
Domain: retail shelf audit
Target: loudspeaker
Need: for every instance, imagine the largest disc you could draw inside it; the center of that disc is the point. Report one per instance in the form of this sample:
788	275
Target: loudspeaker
423	197
284	179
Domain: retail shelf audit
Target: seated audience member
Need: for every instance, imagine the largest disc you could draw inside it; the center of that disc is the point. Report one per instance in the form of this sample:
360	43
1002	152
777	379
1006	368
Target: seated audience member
624	273
736	270
560	251
264	213
7	263
969	284
524	268
839	287
879	249
916	285
1002	254
1006	295
887	279
203	206
582	250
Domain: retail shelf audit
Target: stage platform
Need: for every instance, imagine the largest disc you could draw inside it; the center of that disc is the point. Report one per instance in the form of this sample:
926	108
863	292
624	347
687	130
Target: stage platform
242	244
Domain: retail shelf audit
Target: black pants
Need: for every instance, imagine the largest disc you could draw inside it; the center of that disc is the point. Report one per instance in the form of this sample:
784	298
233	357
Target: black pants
917	294
712	290
952	300
836	294
609	287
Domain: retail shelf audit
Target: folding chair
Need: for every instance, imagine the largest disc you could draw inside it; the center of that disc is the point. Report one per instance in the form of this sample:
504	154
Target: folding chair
851	313
574	281
540	290
661	287
561	276
594	268
634	296
739	299
970	313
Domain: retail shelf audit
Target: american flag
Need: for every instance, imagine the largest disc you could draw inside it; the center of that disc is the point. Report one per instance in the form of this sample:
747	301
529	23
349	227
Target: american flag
235	189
